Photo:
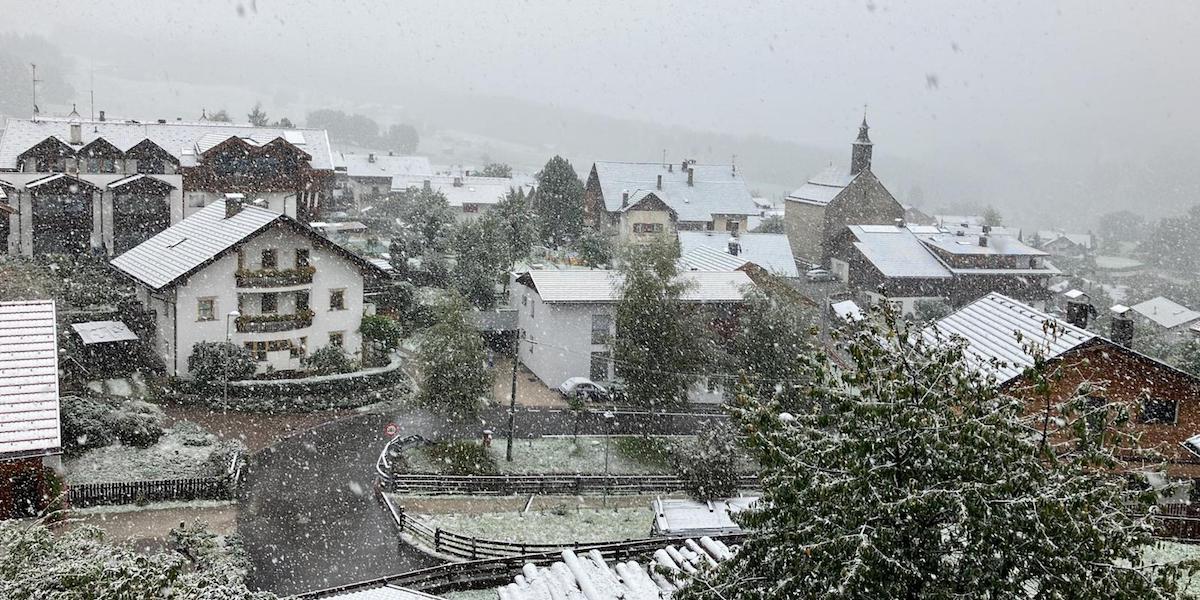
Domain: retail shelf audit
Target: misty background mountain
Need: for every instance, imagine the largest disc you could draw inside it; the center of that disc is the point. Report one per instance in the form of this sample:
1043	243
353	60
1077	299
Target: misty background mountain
1042	112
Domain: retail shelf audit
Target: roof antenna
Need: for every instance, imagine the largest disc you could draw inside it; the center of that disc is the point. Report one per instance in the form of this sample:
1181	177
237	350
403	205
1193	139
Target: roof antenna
733	165
35	82
664	160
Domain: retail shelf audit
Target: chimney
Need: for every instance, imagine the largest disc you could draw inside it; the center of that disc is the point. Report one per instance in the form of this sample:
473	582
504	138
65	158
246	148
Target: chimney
371	157
625	197
671	167
162	121
659	182
101	116
899	223
691	175
458	181
683	165
1078	308
233	204
428	185
390	153
735	246
76	134
983	241
1122	326
987	229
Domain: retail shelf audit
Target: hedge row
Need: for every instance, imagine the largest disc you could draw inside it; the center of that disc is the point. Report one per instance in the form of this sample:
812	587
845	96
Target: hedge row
321	393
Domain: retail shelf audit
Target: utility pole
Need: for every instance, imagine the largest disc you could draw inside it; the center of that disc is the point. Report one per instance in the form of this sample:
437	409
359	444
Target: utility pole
512	400
35	82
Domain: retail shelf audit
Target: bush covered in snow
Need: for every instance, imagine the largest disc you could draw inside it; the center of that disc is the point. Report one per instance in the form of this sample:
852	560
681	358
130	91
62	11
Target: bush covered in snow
462	457
329	360
708	465
184	451
210	361
93	422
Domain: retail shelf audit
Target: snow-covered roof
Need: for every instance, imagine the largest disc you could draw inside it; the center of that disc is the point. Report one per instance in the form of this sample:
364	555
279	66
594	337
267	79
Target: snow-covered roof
1165	312
680	516
950	220
1079	239
29	412
604	286
823	187
183	140
968	243
376	165
771	251
464	190
103	332
183	247
590	576
990	326
896	252
1117	263
715	189
383	591
703	258
848	311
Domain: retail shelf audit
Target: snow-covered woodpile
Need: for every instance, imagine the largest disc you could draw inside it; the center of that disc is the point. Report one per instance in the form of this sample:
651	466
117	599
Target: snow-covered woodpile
590	577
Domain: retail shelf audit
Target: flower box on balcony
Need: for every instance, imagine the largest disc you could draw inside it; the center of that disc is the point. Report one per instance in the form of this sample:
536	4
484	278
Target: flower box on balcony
274	277
274	323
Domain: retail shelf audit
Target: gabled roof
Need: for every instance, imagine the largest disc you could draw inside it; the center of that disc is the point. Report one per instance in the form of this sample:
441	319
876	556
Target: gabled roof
1165	312
187	246
897	253
361	165
968	243
650	198
823	187
469	189
715	189
140	179
1079	239
604	286
990	326
181	139
60	179
771	251
29	411
703	258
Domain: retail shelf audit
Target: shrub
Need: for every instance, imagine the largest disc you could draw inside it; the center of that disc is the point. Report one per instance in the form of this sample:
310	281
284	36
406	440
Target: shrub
462	457
83	426
329	360
209	361
135	423
708	466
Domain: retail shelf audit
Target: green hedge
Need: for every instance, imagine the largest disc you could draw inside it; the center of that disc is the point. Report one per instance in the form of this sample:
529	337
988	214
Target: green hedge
298	396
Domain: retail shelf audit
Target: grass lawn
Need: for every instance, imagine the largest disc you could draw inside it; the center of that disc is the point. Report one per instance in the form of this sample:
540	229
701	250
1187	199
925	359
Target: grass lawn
626	456
170	458
553	525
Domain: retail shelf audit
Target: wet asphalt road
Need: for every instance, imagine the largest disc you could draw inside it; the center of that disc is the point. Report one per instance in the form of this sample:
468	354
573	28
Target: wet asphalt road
308	514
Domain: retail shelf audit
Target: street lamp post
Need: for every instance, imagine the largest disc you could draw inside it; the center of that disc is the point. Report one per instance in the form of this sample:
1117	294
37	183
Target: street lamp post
233	315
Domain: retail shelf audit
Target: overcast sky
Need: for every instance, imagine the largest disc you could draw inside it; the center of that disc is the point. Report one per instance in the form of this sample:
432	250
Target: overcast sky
1029	80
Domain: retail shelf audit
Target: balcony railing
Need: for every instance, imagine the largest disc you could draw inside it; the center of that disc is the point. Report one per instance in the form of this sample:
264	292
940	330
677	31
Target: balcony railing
267	278
273	323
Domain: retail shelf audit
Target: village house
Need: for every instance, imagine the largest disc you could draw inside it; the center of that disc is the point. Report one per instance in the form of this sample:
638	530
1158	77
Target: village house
365	178
76	186
567	318
638	200
905	264
818	211
1061	243
1165	402
30	431
253	276
1165	317
713	251
469	196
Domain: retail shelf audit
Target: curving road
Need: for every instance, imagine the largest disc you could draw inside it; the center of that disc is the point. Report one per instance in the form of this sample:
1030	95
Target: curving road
307	511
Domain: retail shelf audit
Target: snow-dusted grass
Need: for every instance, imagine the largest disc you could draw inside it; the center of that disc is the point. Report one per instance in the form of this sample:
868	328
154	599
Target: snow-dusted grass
489	594
109	509
170	458
1173	552
553	525
561	455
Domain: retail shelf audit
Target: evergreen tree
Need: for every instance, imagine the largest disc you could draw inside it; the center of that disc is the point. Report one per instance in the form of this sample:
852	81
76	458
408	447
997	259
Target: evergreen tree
516	224
423	223
772	224
221	116
708	466
660	342
496	170
1189	357
992	217
258	117
917	478
595	248
559	202
403	138
482	257
454	374
771	347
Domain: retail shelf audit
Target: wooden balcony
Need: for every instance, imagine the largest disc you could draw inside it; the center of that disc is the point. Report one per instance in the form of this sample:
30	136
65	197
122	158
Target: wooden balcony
273	278
274	323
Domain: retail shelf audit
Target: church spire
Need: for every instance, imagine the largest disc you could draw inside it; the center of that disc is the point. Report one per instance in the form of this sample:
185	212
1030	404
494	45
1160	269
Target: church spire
860	155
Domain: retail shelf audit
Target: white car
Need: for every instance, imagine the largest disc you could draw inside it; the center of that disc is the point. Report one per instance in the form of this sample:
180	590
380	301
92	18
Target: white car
582	387
820	274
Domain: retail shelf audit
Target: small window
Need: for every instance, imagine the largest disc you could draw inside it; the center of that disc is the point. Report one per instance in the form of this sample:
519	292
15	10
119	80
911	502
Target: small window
301	257
337	339
302	301
270	304
300	348
601	326
337	299
195	200
206	309
269	260
258	350
1159	411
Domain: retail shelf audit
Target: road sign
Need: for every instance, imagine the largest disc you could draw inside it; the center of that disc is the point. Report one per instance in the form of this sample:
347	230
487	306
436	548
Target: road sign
391	429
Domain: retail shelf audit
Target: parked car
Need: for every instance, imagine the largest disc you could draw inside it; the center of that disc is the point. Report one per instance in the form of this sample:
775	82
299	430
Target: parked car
581	387
819	274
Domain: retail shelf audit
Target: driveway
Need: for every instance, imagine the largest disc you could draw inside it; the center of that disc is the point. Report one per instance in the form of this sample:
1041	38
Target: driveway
307	511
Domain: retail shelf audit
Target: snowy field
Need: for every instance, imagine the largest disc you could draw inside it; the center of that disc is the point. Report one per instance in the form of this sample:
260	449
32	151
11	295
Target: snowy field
551	526
170	458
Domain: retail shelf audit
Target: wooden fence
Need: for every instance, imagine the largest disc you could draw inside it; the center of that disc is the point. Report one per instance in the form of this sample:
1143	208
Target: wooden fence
220	487
541	483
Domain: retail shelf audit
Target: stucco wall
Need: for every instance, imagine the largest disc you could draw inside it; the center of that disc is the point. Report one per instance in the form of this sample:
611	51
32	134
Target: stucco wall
632	217
805	225
561	336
